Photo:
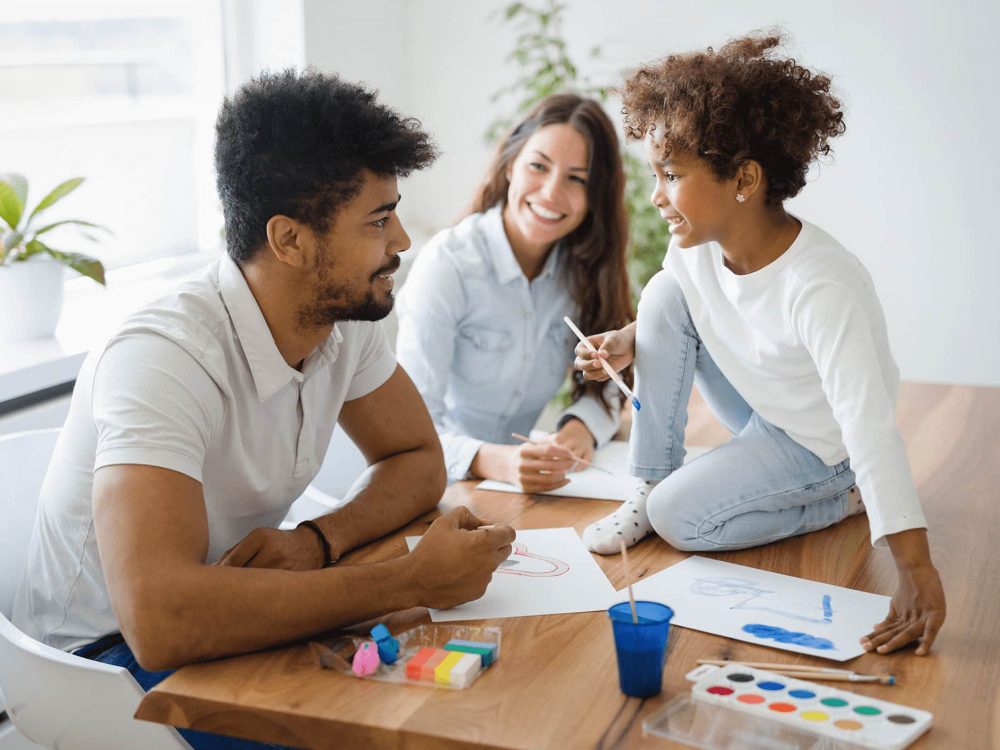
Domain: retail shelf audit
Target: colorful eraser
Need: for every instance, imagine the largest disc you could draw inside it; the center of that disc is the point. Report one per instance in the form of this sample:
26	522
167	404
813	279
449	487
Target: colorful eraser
488	651
427	668
414	665
388	647
466	669
485	654
442	672
366	660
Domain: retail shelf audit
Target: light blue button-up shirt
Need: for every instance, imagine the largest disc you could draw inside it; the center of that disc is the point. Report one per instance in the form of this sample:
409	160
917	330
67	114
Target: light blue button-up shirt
485	347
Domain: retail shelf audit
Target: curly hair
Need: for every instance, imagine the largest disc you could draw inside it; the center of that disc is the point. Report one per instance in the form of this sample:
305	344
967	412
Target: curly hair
296	143
739	103
596	271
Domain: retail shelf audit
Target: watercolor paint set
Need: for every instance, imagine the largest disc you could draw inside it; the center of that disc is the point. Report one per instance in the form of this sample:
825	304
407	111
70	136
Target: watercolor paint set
442	656
739	706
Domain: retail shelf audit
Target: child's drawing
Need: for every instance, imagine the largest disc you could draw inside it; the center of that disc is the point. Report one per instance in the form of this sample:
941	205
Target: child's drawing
524	563
768	609
564	579
770	632
762	596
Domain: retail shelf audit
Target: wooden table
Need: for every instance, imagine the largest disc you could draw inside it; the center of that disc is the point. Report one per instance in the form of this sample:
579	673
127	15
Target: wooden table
556	683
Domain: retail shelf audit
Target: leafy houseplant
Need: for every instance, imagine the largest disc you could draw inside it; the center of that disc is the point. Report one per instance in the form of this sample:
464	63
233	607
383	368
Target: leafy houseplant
546	68
30	268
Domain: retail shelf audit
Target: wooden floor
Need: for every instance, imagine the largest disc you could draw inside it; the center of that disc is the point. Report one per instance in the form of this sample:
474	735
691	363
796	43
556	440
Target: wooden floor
953	438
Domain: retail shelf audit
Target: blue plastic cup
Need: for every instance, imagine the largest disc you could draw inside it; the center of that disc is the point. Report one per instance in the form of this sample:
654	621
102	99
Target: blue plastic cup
641	646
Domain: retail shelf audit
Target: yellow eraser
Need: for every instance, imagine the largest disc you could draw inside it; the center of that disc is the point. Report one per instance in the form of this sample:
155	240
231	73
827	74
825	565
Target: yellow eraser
442	672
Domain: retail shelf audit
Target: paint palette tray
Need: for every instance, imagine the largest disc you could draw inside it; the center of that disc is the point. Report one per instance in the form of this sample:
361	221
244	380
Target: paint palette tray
338	653
752	709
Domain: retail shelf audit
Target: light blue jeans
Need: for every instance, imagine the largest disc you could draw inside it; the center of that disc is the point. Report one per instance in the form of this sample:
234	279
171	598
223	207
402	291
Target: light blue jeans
759	487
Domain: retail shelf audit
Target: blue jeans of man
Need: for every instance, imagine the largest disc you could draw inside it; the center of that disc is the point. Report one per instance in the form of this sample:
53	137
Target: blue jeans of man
114	650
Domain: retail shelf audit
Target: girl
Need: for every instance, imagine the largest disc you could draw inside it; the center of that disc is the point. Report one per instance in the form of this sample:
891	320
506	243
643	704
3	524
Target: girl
481	316
775	320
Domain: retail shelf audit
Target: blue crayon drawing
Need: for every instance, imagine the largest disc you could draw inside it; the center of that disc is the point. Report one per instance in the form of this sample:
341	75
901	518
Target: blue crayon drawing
769	632
758	599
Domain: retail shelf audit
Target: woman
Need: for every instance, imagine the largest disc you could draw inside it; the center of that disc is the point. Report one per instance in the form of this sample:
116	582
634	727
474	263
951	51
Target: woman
481	316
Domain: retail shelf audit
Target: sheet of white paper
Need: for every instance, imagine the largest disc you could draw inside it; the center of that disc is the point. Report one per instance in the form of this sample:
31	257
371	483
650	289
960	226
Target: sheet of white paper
549	573
593	484
765	608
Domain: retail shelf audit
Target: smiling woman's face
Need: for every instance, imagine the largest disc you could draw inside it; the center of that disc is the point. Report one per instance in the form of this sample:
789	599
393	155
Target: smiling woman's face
547	194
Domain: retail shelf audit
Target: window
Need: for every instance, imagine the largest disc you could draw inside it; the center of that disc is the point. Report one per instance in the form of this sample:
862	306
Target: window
124	93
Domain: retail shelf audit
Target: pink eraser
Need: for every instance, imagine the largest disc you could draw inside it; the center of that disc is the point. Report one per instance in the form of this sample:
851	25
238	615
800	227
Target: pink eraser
366	660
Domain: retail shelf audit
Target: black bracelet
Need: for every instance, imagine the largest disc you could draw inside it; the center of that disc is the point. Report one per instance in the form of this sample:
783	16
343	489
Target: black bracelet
314	527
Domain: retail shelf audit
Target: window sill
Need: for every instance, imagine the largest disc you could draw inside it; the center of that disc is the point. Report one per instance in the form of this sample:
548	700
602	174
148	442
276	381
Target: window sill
90	313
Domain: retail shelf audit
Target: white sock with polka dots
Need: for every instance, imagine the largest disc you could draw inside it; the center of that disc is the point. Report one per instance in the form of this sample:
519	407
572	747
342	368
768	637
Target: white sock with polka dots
629	522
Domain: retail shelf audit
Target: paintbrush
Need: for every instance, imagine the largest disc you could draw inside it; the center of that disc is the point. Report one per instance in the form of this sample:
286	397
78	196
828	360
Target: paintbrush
628	583
804	671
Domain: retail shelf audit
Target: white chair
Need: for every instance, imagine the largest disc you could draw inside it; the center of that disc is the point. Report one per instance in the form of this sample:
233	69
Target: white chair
54	698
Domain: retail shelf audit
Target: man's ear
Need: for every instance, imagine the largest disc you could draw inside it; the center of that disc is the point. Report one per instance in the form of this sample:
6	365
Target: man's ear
750	178
287	240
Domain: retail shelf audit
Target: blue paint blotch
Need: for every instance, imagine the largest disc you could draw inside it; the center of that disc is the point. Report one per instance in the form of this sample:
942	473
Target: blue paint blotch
770	632
827	609
771	685
803	694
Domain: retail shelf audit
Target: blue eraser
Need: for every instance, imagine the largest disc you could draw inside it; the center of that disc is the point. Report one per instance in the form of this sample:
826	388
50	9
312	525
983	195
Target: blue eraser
388	647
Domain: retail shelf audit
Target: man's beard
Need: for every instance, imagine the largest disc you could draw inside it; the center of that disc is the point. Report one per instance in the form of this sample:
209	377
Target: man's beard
335	301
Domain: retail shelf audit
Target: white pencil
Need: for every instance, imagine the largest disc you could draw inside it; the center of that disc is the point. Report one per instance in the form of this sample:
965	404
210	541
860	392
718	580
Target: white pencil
615	377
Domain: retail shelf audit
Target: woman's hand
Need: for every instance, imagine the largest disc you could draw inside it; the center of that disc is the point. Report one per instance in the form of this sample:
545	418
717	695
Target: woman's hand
538	467
918	608
576	438
616	347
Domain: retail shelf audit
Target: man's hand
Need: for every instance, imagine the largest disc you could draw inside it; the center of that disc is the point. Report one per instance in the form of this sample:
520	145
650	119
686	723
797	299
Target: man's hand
918	608
616	347
537	467
298	549
455	559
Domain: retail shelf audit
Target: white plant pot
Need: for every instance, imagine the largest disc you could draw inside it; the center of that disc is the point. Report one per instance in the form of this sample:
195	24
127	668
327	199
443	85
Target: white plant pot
31	295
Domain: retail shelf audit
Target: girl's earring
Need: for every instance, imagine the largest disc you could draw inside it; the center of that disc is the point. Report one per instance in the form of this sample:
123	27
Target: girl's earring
740	198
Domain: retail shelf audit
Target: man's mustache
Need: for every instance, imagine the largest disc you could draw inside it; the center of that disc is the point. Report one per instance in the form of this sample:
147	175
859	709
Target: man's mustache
391	266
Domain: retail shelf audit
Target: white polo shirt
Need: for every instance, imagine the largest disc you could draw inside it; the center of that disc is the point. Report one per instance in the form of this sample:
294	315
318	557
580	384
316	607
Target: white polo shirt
194	383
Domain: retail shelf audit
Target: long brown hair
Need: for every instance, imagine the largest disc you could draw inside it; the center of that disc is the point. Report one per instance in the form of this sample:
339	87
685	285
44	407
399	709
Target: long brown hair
595	252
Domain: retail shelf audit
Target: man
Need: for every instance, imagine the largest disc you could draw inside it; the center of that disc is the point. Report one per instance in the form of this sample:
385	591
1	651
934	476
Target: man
210	410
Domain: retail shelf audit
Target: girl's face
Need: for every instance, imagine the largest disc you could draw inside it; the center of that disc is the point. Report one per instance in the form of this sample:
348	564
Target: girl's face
698	206
547	192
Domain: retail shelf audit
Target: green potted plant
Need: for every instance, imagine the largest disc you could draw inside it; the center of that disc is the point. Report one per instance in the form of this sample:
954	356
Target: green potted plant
31	270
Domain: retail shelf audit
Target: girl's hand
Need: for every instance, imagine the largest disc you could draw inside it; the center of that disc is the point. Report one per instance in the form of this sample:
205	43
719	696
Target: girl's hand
616	347
918	608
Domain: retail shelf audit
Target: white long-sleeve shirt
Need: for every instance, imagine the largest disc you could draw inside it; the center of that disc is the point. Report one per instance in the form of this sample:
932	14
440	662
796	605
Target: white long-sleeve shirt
486	348
804	341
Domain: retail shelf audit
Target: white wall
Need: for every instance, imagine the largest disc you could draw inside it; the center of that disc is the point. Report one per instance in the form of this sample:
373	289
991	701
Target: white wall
912	186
